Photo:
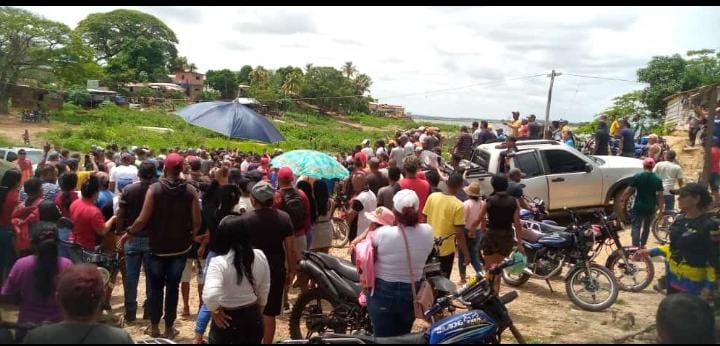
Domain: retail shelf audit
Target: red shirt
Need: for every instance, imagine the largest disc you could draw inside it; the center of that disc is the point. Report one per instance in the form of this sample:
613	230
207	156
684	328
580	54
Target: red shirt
715	160
58	202
421	188
26	169
277	202
88	219
12	199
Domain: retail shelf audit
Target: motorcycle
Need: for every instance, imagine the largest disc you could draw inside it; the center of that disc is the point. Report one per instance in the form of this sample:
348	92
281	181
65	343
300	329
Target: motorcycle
557	246
484	322
626	271
333	304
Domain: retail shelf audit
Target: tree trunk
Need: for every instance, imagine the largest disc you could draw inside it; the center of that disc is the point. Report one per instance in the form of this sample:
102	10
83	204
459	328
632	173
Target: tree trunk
3	103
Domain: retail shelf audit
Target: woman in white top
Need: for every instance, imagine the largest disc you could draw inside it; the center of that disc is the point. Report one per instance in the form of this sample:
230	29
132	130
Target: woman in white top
391	304
236	289
322	229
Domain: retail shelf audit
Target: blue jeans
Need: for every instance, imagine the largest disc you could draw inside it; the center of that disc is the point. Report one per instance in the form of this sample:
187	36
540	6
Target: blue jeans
165	274
137	252
203	317
669	202
391	308
644	220
473	245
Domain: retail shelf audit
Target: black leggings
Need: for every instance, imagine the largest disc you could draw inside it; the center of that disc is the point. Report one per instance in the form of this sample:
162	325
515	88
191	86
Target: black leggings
246	327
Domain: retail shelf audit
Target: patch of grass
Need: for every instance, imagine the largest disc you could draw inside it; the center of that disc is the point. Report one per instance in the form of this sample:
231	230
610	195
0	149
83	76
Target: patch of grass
111	124
4	142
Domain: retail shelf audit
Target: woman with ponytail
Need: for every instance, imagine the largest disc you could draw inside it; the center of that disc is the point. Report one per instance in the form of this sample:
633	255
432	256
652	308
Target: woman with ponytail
68	182
401	250
236	288
9	199
87	217
32	283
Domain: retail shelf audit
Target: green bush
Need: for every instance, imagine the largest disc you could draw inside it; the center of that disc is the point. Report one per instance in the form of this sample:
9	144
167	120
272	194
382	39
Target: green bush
78	95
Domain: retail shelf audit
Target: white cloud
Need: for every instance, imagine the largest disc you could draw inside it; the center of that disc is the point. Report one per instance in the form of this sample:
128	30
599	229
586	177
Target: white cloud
409	50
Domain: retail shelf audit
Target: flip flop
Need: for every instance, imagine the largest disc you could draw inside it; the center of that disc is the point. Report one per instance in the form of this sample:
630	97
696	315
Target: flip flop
171	334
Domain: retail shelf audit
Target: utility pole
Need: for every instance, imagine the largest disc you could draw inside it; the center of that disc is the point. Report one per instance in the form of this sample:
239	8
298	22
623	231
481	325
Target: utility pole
552	76
711	97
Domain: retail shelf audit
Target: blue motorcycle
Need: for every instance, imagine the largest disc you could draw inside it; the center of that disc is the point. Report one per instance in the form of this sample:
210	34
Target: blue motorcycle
484	322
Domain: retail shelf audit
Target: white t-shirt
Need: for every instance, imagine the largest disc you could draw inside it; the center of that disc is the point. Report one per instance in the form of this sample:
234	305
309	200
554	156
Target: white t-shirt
669	172
368	152
243	204
122	176
369	203
391	259
244	166
476	135
398	154
380	151
221	288
409	149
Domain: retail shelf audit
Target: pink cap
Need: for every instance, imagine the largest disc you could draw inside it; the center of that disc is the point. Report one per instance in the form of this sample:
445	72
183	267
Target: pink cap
285	174
381	215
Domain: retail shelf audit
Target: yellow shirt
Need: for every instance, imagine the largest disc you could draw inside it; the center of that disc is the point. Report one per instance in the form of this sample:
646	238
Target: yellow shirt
515	127
82	177
444	213
613	128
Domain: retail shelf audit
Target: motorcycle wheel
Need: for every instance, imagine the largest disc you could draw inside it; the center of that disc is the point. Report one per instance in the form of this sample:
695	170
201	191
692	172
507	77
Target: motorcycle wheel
308	312
341	232
628	273
514	280
661	228
599	279
622	209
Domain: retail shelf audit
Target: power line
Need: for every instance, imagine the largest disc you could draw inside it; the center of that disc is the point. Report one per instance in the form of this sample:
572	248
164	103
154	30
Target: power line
606	78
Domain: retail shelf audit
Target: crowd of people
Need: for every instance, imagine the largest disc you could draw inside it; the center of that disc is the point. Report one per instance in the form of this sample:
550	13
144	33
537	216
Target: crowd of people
239	225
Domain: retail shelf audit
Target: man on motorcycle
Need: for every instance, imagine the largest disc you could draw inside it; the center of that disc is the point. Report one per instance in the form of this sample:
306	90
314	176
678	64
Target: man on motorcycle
515	188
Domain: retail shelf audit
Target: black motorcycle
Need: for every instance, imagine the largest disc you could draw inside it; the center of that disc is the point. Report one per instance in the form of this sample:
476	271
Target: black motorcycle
485	321
588	285
334	305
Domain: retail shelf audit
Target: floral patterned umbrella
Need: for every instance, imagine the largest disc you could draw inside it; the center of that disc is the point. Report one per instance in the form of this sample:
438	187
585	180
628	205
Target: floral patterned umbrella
311	163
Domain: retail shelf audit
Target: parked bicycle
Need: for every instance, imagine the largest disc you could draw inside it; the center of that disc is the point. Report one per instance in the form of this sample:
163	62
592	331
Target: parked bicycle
340	226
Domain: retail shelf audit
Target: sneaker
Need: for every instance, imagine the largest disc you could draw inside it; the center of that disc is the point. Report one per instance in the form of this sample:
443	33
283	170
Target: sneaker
130	316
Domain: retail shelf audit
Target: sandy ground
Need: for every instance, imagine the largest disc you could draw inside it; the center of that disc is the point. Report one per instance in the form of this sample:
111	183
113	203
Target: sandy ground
12	129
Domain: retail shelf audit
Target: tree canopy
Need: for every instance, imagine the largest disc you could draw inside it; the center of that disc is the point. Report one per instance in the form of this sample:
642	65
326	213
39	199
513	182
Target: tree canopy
224	81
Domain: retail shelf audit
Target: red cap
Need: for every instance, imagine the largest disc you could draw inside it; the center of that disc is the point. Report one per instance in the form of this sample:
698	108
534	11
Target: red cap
285	173
174	161
648	162
264	160
420	175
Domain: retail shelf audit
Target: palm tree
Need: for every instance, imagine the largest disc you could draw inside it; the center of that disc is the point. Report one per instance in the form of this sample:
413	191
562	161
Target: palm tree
362	83
192	67
308	67
349	70
293	84
258	76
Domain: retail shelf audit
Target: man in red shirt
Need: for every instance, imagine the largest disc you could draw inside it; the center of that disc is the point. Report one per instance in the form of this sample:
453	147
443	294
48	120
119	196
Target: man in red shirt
715	170
87	218
286	200
412	182
26	169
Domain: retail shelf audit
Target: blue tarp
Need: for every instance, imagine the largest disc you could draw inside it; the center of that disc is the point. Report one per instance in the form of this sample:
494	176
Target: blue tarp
232	119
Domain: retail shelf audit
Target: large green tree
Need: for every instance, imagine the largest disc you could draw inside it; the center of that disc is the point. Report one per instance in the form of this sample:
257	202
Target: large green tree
667	75
133	45
243	77
180	63
223	81
28	43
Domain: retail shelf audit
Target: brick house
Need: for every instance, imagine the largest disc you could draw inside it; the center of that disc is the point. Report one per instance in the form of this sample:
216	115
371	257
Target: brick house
192	82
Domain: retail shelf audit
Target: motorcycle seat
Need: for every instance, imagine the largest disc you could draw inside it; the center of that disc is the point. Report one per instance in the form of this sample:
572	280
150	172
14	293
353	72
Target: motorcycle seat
342	267
412	338
547	228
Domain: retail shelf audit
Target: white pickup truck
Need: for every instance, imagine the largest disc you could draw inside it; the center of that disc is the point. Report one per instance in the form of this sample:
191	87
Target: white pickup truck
559	174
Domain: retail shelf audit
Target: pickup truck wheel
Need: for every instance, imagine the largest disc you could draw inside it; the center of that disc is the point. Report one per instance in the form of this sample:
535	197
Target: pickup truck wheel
621	207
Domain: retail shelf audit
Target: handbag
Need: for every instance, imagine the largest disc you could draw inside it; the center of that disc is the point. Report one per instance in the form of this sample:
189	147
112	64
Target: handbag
423	297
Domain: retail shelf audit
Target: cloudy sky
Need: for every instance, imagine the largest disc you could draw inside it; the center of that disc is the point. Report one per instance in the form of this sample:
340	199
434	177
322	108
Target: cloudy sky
446	61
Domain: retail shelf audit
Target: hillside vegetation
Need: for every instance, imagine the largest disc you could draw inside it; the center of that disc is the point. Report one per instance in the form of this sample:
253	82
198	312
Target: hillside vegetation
79	129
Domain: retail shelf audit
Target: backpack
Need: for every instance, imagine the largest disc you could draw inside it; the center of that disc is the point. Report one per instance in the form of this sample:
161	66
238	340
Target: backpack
365	263
293	205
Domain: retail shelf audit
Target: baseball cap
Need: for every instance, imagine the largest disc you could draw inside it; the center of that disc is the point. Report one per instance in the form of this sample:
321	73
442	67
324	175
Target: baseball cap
263	191
365	141
648	162
285	173
381	215
406	199
264	160
174	161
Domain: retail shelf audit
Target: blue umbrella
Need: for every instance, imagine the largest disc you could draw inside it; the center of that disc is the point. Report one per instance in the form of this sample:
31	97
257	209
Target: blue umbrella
232	119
